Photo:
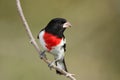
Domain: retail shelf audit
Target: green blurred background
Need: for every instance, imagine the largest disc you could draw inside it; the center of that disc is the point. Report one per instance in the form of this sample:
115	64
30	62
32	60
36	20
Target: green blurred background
93	42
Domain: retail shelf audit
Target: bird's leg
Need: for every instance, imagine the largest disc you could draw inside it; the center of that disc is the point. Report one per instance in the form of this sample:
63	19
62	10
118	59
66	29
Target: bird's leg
52	63
43	55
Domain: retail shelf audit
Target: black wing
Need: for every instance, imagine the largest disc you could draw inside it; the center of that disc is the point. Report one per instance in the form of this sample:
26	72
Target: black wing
64	46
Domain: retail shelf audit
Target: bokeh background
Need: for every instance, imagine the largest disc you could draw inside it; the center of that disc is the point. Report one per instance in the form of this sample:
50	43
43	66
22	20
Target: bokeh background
93	42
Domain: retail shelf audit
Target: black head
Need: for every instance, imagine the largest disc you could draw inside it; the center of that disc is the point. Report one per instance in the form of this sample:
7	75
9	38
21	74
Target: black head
56	26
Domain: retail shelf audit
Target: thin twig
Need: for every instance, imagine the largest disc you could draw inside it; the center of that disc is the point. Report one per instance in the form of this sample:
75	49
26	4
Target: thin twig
33	42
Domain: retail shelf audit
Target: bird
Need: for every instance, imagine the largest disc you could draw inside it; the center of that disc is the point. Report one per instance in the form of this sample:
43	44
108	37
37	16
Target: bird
53	41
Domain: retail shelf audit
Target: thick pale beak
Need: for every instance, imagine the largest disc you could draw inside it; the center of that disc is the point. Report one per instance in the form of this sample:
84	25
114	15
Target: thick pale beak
66	25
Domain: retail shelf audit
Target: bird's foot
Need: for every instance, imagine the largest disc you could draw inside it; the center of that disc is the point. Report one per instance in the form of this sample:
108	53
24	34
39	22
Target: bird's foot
42	55
51	65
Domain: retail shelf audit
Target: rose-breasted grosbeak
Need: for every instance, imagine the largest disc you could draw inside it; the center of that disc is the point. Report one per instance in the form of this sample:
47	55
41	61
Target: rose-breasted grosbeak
53	41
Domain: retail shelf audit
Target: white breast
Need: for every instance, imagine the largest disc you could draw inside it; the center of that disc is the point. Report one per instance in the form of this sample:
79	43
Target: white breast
57	51
42	42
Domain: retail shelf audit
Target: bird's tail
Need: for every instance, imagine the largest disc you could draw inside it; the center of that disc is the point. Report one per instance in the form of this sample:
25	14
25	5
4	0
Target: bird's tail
61	64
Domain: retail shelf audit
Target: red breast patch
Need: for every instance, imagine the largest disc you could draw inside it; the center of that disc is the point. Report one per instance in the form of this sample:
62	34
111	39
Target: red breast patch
51	40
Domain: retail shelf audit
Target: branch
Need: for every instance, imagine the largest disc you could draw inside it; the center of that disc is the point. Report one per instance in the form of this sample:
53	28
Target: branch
33	42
